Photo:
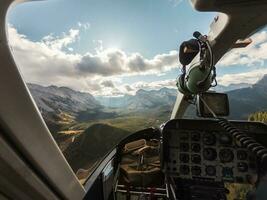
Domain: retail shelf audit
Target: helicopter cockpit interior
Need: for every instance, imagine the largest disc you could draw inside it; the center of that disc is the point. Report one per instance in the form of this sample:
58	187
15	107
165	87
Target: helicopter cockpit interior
195	159
207	157
202	158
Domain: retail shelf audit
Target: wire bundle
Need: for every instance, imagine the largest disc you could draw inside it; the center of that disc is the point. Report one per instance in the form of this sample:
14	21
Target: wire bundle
248	142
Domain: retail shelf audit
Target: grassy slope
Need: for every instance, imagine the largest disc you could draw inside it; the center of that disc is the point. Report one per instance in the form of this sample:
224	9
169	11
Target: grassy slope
72	132
93	144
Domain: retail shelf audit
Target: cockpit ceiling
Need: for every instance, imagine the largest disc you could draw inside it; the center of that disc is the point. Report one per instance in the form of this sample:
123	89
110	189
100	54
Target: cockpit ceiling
226	5
238	2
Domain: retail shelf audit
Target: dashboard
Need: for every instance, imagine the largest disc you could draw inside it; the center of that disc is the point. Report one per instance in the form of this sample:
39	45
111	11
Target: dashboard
202	150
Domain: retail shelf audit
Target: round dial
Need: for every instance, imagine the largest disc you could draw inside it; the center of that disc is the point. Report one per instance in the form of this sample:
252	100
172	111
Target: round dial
210	170
242	167
225	139
184	147
196	171
209	139
184	158
196	159
195	136
209	154
195	147
226	155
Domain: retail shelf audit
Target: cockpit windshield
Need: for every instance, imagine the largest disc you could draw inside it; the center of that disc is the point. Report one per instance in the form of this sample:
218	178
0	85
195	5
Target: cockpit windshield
100	70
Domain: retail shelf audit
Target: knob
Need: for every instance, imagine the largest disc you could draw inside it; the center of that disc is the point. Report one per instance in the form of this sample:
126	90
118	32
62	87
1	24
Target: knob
209	154
184	158
196	171
195	147
196	159
242	167
195	136
226	155
209	139
210	170
225	139
184	147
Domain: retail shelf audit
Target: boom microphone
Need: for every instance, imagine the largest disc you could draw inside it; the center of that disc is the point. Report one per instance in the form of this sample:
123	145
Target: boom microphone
197	35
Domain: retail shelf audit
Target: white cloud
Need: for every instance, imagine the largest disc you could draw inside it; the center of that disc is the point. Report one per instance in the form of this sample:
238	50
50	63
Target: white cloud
252	55
110	62
43	61
247	77
52	61
59	42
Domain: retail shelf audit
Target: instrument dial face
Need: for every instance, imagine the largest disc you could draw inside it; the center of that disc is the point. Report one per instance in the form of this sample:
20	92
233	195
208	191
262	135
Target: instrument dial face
196	171
196	159
209	138
225	139
184	158
242	167
184	147
195	136
195	147
210	170
209	154
226	155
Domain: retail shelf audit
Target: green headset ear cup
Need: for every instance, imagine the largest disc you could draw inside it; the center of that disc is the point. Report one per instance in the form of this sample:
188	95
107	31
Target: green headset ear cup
181	84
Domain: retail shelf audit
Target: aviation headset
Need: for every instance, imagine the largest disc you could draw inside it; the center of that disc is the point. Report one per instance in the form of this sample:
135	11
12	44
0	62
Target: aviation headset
201	73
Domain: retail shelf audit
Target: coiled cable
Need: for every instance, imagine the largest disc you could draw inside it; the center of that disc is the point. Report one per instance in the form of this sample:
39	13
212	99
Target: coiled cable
248	142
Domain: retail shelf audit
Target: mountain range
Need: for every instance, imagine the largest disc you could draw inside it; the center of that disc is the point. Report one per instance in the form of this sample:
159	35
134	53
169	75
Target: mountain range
56	99
230	87
246	101
52	100
143	99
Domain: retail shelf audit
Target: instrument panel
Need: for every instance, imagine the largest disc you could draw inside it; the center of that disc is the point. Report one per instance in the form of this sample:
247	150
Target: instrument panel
208	154
205	153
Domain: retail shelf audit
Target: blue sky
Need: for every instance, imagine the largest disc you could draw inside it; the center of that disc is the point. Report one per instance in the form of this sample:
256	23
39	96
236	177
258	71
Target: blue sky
147	26
112	47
